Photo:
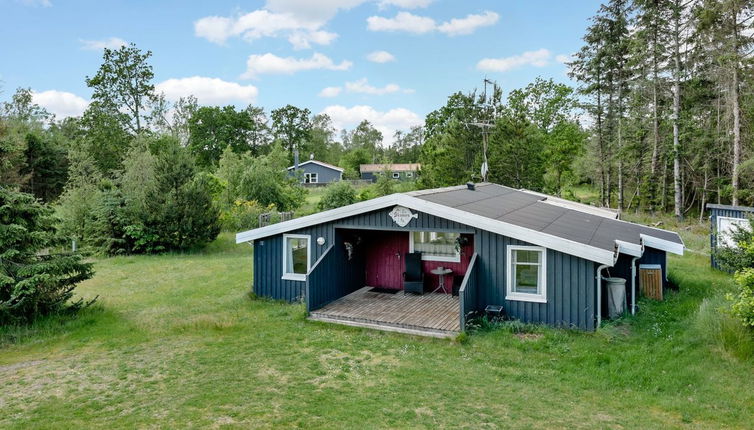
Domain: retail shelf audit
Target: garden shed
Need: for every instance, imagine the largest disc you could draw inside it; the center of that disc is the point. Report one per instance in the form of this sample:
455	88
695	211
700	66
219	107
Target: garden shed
539	258
723	221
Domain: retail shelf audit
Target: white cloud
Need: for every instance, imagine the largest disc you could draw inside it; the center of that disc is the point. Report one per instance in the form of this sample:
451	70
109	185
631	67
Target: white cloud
408	22
252	26
403	21
208	91
330	91
303	40
300	21
463	26
362	86
380	57
35	3
63	104
272	64
563	58
98	45
538	58
386	122
319	11
405	4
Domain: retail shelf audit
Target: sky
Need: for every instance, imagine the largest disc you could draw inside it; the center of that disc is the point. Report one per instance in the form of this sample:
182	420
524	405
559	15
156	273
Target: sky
388	61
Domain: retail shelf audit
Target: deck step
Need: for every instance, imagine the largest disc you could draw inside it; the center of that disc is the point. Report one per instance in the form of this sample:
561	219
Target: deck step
382	325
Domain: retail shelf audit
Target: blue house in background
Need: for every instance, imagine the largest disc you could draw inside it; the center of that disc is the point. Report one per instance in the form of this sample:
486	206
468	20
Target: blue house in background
398	172
317	172
477	247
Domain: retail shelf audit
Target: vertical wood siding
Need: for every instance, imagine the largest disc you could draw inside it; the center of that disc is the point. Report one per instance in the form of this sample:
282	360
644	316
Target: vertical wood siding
571	286
335	276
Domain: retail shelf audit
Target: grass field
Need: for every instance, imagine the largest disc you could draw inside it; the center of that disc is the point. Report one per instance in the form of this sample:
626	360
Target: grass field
176	342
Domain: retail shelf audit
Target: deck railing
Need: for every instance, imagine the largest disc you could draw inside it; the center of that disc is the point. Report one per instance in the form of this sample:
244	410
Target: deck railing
468	291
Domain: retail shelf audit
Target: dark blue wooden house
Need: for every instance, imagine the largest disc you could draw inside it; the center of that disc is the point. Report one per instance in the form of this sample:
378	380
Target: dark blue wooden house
315	172
723	220
542	259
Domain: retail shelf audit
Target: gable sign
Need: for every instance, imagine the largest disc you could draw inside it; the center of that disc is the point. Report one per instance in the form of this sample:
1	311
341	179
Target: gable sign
402	215
726	227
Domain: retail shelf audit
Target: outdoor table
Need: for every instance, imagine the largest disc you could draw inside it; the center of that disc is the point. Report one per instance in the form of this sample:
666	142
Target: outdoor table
441	272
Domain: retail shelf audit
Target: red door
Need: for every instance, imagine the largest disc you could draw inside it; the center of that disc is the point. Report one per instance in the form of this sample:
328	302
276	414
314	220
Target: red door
385	253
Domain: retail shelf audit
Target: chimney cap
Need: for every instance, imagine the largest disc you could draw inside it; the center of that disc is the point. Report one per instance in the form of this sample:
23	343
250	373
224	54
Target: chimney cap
471	186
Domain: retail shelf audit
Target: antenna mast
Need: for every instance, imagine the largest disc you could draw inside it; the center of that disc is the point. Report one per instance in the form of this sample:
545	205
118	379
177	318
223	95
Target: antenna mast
486	124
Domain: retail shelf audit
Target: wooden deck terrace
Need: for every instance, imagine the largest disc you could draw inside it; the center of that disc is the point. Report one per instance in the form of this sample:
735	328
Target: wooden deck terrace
430	314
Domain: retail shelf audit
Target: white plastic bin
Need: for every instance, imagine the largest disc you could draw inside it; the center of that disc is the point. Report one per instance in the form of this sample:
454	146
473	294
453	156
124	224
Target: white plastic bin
616	296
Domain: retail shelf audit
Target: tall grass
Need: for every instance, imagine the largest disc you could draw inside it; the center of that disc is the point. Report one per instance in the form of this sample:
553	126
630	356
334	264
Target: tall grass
714	325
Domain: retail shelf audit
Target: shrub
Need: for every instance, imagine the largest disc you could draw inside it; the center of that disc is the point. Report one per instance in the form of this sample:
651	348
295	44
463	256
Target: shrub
336	195
715	325
743	301
263	179
243	215
34	281
158	202
385	184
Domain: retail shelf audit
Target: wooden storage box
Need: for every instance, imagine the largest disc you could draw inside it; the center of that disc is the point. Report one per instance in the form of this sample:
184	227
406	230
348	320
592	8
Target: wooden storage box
650	280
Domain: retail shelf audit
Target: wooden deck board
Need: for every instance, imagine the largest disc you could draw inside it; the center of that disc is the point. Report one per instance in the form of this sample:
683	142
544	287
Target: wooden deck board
432	313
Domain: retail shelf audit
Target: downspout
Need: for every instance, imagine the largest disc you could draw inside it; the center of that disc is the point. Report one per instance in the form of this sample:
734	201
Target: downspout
599	278
633	285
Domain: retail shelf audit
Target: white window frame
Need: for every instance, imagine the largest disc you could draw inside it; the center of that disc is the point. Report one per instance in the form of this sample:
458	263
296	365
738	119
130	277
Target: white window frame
541	296
409	174
722	240
396	175
308	178
428	257
296	276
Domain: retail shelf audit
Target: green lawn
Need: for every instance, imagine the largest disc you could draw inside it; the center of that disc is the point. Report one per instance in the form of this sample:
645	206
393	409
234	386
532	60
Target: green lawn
176	342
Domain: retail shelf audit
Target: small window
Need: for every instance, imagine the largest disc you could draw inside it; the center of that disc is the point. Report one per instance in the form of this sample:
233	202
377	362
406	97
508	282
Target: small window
436	246
310	178
727	227
396	175
296	256
409	174
527	274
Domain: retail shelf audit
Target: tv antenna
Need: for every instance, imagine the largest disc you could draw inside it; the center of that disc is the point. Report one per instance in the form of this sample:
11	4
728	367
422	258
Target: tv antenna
486	125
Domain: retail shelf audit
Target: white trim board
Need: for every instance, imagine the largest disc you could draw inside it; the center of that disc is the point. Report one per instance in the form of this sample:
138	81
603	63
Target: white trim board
296	276
535	237
541	295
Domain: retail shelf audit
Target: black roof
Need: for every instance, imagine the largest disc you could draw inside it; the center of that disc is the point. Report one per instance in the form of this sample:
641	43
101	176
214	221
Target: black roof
730	207
534	211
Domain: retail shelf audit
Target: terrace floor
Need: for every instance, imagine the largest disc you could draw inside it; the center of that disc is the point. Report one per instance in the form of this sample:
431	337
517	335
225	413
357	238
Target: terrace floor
431	314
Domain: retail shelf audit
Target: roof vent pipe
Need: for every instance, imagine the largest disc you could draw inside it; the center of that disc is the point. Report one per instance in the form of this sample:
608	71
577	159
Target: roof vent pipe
470	186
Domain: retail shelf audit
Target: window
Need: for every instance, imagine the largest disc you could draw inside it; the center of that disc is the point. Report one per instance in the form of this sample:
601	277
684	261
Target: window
435	246
310	178
409	174
396	175
296	256
527	274
726	227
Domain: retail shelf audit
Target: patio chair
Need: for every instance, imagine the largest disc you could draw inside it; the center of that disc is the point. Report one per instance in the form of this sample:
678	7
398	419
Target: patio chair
413	277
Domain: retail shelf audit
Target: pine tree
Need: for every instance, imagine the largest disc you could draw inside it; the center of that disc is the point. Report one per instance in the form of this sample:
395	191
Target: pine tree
34	281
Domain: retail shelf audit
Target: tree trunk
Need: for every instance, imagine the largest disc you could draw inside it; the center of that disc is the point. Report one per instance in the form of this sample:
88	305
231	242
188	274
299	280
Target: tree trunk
736	108
678	201
655	127
736	136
